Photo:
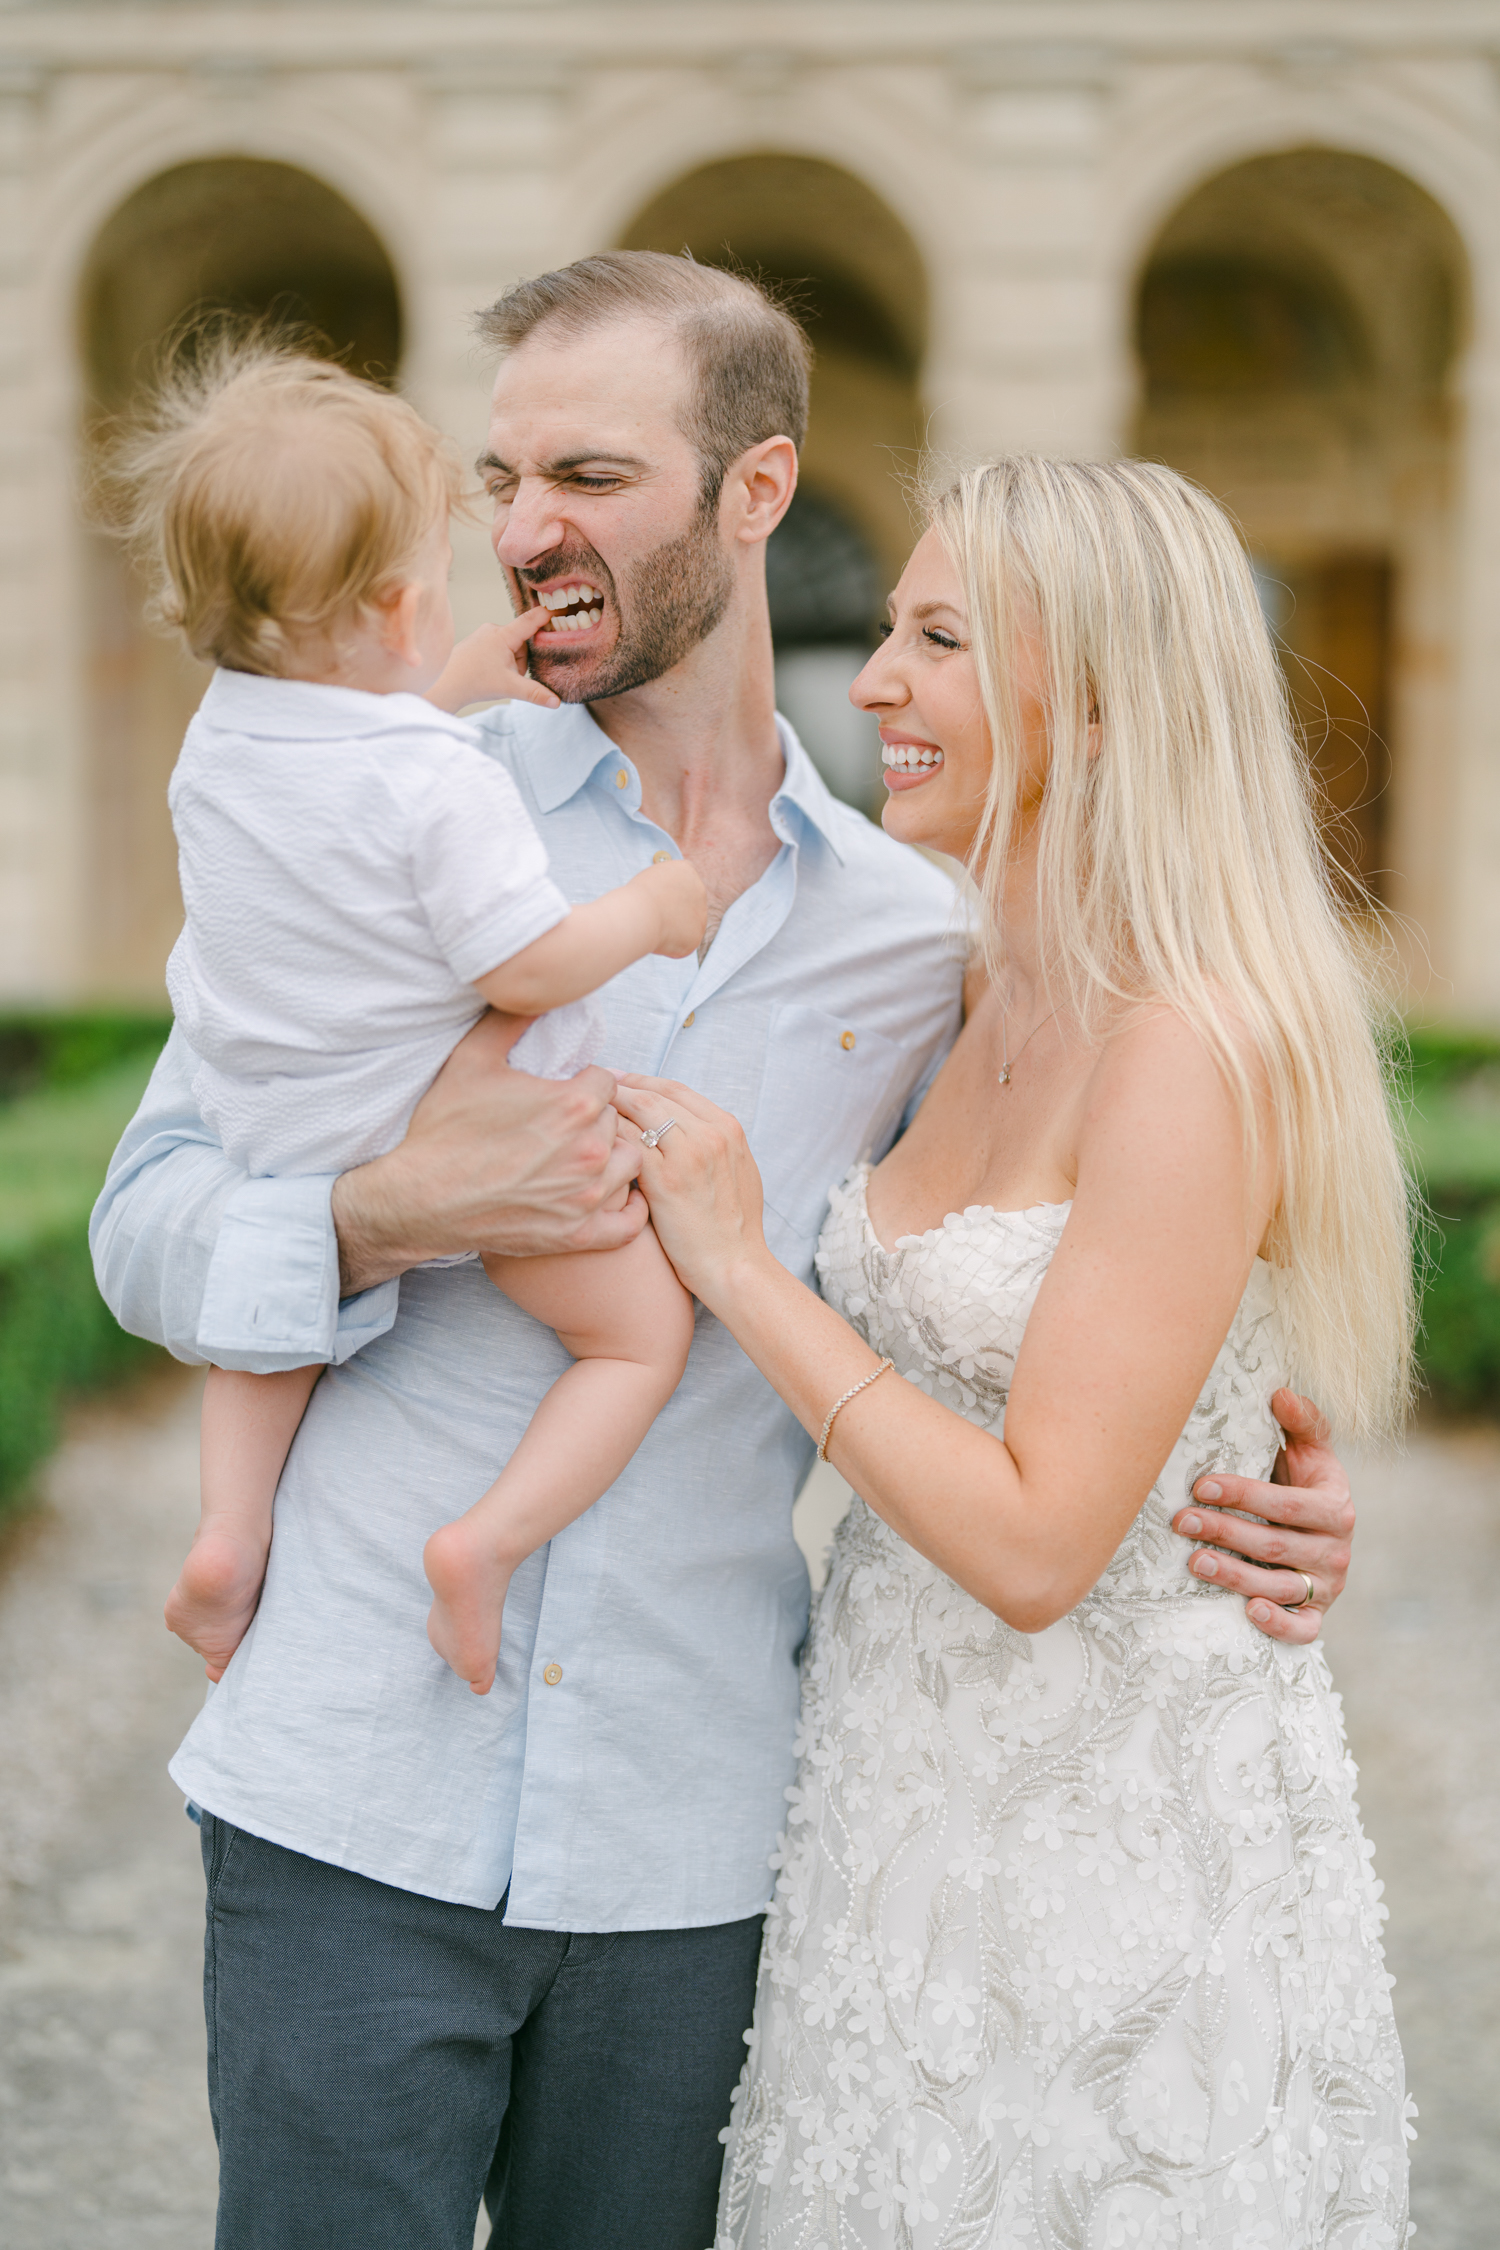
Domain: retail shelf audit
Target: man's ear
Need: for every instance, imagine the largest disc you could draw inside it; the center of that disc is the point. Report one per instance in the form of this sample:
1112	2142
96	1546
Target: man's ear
758	489
396	624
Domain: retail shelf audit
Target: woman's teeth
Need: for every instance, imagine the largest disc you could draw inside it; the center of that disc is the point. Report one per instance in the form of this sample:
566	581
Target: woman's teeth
574	608
904	756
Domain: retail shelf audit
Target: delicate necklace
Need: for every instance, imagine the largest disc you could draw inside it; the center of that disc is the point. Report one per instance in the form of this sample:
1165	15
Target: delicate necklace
1006	1065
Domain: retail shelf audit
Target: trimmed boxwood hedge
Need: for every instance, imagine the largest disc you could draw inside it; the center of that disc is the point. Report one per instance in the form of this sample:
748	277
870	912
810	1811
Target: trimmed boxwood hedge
57	1338
1453	1119
68	1087
40	1051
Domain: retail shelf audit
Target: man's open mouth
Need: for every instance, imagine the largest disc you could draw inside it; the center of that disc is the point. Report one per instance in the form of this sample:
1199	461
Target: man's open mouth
574	606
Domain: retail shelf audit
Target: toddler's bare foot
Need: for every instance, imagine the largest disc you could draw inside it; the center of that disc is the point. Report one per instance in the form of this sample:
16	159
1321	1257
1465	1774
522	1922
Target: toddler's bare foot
215	1596
468	1580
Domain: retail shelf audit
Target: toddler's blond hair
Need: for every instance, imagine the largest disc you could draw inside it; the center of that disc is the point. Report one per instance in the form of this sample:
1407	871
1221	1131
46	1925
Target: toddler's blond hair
272	496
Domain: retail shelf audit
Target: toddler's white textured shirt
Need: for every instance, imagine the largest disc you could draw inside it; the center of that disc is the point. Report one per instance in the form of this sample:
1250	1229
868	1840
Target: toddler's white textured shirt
350	863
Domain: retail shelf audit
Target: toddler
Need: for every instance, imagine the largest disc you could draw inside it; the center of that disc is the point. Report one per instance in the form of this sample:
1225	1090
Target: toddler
360	881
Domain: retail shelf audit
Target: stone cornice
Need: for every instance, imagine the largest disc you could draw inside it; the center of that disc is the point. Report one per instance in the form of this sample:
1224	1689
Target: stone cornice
1024	41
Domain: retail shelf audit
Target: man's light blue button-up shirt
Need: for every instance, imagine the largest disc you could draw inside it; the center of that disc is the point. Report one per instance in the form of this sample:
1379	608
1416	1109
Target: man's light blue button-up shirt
627	1769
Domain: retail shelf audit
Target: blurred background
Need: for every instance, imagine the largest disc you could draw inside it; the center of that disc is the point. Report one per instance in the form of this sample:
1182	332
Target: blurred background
1270	263
1259	242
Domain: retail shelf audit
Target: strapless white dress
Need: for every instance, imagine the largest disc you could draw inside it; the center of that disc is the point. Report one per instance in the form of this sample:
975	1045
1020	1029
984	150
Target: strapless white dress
1075	1942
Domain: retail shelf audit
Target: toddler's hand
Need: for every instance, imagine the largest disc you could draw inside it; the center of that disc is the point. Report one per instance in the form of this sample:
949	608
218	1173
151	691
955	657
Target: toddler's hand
681	902
490	665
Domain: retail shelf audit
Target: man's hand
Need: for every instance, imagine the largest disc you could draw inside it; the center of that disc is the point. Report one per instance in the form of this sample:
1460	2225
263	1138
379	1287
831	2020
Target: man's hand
1311	1522
493	1160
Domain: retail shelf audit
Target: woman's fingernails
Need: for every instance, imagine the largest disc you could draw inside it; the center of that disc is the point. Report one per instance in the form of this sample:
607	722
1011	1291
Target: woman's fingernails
1208	1492
1261	1612
1192	1525
1206	1566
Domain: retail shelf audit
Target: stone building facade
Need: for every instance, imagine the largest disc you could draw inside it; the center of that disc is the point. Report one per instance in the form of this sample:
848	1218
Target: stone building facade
1259	239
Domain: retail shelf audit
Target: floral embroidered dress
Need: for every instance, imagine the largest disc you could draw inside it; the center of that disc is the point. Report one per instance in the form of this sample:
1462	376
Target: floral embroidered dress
1076	1942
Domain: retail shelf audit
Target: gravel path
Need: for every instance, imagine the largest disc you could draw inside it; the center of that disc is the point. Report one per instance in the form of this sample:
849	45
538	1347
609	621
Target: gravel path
104	2130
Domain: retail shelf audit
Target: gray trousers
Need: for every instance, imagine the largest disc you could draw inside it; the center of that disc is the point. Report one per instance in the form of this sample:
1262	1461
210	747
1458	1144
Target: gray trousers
378	2060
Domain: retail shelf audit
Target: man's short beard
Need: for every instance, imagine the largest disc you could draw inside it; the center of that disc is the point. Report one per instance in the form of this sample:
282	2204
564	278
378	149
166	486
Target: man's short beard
671	600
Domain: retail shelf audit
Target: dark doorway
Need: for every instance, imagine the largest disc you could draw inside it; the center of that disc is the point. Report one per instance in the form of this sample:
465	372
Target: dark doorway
249	238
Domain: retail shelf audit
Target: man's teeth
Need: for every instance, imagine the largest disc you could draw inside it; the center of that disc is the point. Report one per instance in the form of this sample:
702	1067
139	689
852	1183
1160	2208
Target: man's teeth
568	597
904	756
574	608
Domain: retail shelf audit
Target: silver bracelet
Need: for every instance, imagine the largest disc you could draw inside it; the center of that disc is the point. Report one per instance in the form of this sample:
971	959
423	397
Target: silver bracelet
839	1404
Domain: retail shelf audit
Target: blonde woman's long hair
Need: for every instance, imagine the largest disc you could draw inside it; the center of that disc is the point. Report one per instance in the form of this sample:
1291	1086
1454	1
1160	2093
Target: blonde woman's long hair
1180	862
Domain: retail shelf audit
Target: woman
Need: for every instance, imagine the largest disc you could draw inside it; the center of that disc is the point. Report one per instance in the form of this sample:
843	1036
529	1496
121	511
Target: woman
1075	1942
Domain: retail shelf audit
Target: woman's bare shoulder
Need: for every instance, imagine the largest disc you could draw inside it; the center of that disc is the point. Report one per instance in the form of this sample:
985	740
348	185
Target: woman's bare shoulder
1167	1092
1159	1058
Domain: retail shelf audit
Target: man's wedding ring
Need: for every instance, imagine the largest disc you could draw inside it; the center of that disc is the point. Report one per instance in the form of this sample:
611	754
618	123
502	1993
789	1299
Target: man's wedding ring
1307	1597
658	1134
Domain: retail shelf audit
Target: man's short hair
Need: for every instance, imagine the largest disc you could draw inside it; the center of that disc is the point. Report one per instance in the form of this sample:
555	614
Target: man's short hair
747	356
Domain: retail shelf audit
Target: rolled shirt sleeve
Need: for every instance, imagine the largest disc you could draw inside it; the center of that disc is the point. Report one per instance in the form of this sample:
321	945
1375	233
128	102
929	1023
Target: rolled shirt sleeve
196	1255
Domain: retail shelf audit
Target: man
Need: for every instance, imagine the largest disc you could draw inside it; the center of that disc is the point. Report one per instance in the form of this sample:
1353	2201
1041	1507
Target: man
509	1945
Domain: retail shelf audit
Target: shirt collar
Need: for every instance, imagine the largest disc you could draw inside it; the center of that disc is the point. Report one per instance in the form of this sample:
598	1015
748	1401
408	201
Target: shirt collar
808	793
567	746
574	746
257	703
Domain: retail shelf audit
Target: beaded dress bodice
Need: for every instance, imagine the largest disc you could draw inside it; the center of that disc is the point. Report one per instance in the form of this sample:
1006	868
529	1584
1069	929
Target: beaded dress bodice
949	1307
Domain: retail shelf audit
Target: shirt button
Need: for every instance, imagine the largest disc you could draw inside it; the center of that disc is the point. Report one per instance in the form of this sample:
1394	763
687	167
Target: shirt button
658	857
552	1674
622	779
846	1041
690	1019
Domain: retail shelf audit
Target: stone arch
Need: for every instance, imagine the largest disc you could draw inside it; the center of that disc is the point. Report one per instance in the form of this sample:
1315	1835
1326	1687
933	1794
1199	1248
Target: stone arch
1297	320
855	277
245	235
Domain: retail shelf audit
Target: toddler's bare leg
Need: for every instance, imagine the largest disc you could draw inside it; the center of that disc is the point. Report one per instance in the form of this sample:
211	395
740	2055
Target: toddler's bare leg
249	1422
628	1322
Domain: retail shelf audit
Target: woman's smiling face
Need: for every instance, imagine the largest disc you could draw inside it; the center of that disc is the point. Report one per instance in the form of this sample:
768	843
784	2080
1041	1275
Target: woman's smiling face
922	686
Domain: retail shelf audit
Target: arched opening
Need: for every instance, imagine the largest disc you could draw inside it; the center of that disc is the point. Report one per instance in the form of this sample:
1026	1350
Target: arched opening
856	279
1296	323
248	237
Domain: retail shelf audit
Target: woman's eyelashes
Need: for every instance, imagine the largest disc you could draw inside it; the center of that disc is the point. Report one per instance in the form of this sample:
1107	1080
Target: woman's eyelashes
932	634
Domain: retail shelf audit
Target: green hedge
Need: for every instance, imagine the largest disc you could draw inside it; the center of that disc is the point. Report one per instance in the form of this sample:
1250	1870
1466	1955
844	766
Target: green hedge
38	1051
69	1086
1453	1118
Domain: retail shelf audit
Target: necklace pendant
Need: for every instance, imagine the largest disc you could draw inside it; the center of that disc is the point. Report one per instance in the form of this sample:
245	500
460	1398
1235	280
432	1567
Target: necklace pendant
1004	1078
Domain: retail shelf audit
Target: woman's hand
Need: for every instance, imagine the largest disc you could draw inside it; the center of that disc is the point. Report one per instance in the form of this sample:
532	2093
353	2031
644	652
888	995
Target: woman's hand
701	1182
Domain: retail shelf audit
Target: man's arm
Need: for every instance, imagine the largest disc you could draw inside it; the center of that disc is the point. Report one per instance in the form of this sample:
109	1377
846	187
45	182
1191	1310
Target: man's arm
261	1274
191	1252
494	1161
1310	1525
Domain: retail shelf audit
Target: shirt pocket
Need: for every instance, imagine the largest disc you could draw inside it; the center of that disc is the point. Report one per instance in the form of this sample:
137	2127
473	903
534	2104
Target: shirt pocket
831	1091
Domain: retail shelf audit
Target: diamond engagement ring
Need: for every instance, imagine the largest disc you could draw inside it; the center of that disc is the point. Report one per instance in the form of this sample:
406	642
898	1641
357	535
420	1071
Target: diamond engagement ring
658	1134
